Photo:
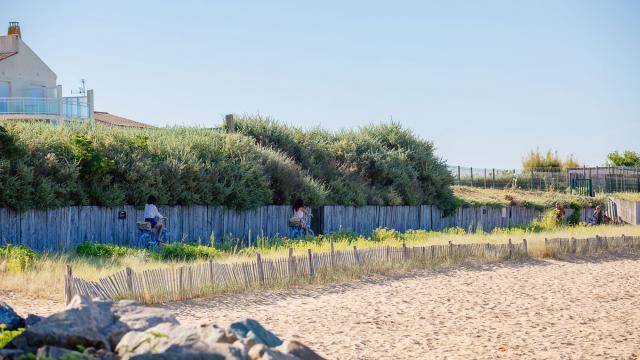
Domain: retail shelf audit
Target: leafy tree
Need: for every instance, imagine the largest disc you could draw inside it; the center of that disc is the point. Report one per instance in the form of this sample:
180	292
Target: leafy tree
628	158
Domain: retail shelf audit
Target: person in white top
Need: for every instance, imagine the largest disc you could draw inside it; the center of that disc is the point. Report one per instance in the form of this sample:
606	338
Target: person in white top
151	214
299	212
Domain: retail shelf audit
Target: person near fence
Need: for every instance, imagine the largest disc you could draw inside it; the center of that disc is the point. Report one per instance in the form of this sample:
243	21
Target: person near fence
299	212
560	213
152	215
598	216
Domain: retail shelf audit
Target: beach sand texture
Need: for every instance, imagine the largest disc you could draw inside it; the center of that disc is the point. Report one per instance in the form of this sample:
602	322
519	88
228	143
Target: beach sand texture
537	309
534	310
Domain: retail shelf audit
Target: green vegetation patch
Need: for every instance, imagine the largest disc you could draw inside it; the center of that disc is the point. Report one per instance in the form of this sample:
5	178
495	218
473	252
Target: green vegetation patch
541	200
17	258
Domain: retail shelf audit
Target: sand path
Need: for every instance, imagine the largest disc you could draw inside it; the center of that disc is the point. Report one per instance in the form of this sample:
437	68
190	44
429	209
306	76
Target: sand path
538	309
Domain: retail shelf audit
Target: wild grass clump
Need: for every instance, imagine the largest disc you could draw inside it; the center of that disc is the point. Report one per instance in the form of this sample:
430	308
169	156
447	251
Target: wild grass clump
17	258
541	200
7	335
104	250
185	252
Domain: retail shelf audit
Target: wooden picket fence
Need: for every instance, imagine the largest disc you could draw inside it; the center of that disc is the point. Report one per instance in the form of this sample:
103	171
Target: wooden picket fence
187	282
590	246
208	278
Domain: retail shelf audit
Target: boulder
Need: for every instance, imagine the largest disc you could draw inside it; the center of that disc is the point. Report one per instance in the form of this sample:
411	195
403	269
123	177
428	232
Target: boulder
79	324
251	332
171	341
54	352
10	354
299	350
130	316
32	319
9	318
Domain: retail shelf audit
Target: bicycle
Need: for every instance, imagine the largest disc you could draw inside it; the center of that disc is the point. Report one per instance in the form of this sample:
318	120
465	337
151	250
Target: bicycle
296	231
147	237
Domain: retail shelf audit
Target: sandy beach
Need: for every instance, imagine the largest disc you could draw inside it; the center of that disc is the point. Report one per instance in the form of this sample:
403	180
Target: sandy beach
546	309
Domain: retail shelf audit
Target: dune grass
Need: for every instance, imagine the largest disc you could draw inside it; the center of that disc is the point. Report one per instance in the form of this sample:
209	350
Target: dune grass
474	196
44	279
627	196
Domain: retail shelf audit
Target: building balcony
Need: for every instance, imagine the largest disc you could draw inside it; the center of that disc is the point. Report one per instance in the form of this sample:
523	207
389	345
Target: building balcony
47	108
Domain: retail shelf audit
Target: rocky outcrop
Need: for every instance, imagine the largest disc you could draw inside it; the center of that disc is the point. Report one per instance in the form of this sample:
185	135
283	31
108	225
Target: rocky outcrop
101	329
9	318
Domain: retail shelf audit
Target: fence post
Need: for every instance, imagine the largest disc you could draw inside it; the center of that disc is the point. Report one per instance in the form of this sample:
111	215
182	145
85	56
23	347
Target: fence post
526	250
332	255
180	282
493	176
310	263
292	267
355	254
68	285
510	248
471	176
450	249
574	244
485	178
458	174
260	269
211	272
405	255
388	252
129	273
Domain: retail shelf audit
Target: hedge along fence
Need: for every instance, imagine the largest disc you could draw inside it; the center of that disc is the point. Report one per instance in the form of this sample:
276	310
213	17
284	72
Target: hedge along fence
64	228
159	285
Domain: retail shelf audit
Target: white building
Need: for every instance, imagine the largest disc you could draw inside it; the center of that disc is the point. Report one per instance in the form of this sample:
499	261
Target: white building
28	87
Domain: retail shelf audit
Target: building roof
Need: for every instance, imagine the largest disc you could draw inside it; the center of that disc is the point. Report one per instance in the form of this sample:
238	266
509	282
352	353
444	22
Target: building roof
110	119
6	55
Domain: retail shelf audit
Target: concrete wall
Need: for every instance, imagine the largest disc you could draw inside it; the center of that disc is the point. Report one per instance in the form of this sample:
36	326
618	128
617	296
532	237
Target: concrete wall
24	69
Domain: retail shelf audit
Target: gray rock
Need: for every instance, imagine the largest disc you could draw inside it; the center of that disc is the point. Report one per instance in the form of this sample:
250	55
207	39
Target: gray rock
251	332
54	352
171	341
298	350
262	352
130	316
9	318
10	354
79	324
32	319
212	333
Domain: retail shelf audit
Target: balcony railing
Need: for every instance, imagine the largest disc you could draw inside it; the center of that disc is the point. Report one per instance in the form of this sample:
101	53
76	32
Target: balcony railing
67	107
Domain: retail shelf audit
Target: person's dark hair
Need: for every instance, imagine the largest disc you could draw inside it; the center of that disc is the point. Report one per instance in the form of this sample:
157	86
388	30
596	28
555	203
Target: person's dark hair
151	199
298	204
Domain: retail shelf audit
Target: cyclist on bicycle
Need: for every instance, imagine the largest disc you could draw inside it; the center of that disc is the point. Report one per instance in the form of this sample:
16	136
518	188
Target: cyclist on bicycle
152	215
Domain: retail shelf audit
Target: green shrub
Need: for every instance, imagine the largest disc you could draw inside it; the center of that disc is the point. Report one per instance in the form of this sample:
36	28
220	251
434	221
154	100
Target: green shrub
265	163
7	335
574	218
384	234
19	258
104	250
185	252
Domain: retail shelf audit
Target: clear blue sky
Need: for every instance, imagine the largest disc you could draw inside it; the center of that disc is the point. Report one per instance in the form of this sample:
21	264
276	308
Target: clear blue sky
486	81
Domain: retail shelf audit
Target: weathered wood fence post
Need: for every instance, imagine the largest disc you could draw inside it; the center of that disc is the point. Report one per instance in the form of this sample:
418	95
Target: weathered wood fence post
405	254
211	272
129	275
260	269
292	265
526	250
311	273
450	255
574	244
68	285
355	254
510	248
332	254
